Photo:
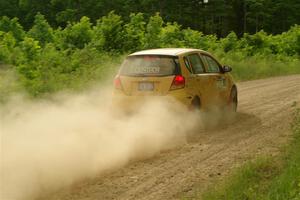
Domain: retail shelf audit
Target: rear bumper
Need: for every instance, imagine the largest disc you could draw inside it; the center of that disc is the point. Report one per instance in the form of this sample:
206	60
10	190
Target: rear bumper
121	101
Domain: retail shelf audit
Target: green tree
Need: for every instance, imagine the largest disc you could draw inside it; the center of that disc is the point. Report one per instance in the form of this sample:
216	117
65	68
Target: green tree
13	26
7	44
191	38
76	35
134	32
41	30
29	8
153	32
230	42
171	35
30	48
65	16
109	33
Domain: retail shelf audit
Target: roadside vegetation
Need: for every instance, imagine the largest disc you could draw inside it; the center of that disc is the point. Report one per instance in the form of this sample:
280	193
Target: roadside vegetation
43	60
268	178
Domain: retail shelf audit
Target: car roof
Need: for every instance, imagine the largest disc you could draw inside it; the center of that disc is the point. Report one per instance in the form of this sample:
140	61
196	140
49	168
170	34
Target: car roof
165	51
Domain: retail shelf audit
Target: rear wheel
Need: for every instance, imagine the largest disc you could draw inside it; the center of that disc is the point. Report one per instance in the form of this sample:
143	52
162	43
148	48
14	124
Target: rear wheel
196	104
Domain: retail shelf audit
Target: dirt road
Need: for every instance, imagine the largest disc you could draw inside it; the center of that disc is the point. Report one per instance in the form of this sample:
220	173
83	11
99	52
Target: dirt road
261	127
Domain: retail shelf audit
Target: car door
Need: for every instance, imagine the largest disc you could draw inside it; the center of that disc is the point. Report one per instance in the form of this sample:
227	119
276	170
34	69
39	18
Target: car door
217	80
198	79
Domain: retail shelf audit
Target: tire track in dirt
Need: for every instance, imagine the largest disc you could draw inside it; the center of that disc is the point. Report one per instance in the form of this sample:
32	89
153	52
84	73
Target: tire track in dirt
261	127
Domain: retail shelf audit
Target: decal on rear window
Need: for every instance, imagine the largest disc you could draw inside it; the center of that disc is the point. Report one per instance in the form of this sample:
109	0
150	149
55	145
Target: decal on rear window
144	70
150	65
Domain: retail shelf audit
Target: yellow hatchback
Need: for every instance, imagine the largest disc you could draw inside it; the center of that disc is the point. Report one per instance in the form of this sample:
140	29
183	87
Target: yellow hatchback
192	76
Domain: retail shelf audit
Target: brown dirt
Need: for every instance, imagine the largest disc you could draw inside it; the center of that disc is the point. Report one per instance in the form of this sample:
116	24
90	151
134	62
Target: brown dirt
261	127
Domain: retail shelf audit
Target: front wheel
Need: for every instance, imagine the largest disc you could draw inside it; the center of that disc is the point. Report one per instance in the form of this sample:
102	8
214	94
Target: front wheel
233	101
229	112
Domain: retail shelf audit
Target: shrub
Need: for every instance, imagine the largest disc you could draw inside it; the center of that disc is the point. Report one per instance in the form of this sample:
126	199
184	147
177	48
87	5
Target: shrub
41	30
134	32
109	33
172	36
76	35
13	26
153	32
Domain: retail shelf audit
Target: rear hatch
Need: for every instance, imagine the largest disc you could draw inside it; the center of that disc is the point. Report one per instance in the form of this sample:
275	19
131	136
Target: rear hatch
148	74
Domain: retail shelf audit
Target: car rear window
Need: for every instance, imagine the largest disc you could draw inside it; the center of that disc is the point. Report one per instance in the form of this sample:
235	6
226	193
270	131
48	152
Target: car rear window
150	65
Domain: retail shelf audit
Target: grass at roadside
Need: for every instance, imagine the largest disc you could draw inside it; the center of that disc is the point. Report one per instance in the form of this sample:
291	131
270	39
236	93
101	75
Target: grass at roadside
257	67
249	182
287	184
275	178
268	178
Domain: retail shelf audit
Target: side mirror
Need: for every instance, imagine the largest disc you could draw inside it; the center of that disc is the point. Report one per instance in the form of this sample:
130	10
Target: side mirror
226	69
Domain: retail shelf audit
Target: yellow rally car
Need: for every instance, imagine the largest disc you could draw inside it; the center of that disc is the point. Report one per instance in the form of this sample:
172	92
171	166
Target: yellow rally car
192	76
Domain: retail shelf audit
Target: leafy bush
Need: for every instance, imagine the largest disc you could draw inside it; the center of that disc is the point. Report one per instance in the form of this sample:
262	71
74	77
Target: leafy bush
75	35
153	32
41	30
48	60
134	32
13	26
230	43
171	35
109	34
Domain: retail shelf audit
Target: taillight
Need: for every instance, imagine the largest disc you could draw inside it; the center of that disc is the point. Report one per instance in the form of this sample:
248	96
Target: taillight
117	83
178	82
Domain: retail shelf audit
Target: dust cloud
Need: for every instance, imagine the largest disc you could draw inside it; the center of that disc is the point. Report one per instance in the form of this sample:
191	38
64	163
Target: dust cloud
47	145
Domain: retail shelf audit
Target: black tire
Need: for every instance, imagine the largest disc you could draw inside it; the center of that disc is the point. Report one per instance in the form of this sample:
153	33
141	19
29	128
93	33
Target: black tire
233	100
196	104
230	110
